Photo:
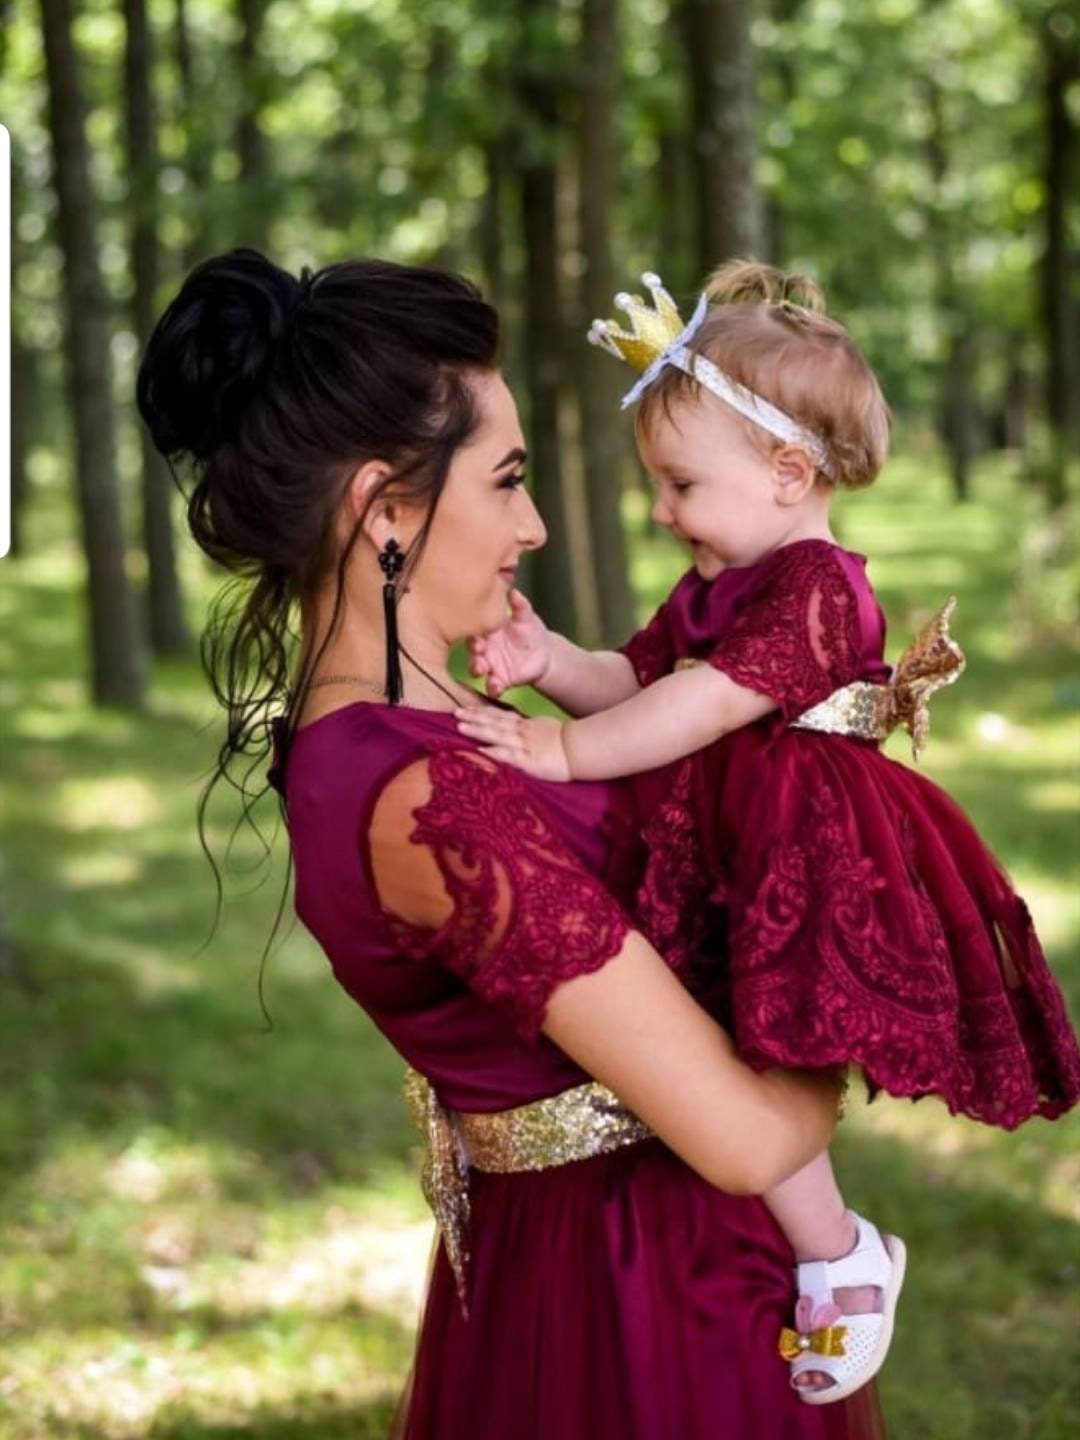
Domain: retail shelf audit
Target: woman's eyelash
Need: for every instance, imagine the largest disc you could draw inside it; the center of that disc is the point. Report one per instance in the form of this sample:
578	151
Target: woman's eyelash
511	482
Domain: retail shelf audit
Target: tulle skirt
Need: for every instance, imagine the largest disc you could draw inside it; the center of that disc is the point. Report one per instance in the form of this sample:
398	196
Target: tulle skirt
867	922
617	1298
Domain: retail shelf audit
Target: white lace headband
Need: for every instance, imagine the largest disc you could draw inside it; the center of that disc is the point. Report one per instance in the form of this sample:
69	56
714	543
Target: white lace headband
660	338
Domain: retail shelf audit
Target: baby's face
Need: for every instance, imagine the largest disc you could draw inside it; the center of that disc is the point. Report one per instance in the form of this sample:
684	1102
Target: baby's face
715	490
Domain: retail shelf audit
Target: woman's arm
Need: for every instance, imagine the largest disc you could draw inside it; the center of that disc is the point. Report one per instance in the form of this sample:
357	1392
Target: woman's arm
615	1007
633	1026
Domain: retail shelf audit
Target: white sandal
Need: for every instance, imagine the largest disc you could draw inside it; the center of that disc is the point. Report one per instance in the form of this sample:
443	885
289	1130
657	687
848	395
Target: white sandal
850	1349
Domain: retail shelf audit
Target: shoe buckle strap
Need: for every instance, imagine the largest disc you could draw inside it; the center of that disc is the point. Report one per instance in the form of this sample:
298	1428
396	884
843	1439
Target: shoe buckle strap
867	1264
813	1278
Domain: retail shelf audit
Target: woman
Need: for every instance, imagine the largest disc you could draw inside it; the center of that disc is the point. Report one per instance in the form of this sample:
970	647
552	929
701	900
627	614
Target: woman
603	1271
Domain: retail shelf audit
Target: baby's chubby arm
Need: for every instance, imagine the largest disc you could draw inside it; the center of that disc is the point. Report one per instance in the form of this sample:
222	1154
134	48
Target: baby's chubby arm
583	682
671	718
523	651
667	720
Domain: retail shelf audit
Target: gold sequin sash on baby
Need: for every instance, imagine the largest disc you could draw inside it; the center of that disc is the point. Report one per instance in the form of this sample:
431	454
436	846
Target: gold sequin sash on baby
576	1125
868	711
872	712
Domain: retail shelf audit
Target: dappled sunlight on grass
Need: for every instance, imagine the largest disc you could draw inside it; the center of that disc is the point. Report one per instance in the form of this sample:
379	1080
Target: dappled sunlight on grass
226	1304
340	1262
122	803
208	1373
1046	1154
98	871
1054	797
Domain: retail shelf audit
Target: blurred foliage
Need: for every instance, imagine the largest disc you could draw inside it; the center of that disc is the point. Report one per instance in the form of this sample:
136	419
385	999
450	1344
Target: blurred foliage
377	114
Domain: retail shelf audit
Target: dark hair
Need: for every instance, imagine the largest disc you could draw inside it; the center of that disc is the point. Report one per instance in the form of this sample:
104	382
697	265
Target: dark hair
274	390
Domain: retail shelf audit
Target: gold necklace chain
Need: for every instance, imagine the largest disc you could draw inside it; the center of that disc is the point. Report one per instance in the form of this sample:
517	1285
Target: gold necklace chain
348	680
381	689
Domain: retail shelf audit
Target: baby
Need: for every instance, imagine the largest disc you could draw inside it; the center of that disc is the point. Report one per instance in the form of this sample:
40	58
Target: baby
867	923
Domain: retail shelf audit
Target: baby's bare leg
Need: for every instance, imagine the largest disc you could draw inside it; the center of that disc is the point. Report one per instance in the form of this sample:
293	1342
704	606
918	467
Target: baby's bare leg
810	1210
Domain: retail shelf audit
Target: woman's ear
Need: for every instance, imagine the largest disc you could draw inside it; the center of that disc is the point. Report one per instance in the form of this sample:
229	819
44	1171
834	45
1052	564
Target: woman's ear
794	474
381	515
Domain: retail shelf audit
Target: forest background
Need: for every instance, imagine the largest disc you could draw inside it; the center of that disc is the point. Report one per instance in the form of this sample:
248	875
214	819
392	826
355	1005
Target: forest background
209	1230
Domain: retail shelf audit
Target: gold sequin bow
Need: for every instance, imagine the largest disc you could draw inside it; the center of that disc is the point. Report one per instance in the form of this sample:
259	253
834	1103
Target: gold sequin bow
445	1176
581	1122
872	712
829	1340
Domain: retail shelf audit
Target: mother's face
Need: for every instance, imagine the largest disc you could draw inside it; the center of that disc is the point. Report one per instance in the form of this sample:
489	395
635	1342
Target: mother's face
485	519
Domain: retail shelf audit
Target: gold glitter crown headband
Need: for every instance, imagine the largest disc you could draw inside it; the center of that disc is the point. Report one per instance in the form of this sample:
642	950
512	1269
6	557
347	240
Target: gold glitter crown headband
659	336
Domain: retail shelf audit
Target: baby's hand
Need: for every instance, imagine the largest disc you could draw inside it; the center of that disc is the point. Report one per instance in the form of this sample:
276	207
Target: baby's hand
517	653
535	745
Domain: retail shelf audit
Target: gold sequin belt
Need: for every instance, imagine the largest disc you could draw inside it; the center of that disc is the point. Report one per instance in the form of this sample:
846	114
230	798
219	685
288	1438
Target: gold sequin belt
869	711
576	1125
873	712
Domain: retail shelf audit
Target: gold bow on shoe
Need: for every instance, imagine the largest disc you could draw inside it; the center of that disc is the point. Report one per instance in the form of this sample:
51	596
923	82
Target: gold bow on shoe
872	712
829	1340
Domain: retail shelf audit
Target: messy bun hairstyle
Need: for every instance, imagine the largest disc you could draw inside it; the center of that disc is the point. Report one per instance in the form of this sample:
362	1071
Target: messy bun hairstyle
269	392
768	331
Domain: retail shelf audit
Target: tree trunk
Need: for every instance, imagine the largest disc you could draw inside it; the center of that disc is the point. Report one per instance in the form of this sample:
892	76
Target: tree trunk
542	322
24	389
1016	399
198	243
250	141
10	967
603	426
24	380
957	419
677	266
168	631
785	67
491	240
960	419
1061	65
116	646
720	64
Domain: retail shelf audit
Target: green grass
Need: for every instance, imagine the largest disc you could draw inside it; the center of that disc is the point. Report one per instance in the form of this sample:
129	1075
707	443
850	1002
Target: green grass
210	1231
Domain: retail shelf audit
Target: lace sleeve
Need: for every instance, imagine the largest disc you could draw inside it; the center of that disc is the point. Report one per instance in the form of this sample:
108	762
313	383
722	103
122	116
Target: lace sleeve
470	873
651	651
797	638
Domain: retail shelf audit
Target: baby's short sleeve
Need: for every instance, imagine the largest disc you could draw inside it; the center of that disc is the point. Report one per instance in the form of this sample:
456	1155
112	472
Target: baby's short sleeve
651	651
796	639
470	873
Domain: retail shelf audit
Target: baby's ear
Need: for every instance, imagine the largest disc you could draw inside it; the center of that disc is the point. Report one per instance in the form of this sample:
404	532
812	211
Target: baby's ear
794	474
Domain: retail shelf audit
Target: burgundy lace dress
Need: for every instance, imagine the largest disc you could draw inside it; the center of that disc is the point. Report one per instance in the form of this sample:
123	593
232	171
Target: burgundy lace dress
866	921
614	1298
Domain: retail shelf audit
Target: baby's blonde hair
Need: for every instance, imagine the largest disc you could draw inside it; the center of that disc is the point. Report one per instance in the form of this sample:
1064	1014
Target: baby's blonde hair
767	330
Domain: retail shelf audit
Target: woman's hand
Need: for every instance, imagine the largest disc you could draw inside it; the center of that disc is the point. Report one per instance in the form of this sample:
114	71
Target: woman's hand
517	653
533	745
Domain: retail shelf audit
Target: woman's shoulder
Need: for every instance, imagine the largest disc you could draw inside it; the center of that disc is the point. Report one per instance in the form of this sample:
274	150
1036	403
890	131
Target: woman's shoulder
348	757
367	771
353	749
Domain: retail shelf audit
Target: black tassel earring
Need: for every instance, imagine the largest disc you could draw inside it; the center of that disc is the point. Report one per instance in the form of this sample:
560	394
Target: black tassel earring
391	559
